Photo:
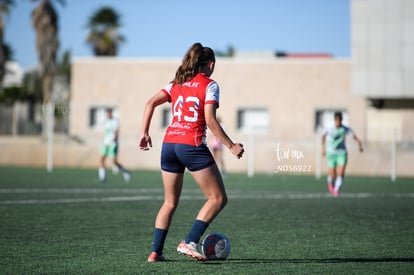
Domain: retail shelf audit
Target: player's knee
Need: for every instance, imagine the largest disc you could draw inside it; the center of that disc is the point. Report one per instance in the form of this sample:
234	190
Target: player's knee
220	200
171	205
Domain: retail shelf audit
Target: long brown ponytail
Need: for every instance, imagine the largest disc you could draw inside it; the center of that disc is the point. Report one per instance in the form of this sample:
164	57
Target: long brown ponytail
196	57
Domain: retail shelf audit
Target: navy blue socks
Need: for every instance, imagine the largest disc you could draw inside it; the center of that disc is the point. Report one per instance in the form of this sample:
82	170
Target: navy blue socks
159	239
198	229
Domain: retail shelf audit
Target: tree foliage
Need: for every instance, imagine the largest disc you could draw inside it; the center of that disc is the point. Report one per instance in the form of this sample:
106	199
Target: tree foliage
45	22
4	10
103	36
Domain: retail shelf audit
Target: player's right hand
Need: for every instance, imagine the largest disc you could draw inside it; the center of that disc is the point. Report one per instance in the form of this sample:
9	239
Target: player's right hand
145	143
237	150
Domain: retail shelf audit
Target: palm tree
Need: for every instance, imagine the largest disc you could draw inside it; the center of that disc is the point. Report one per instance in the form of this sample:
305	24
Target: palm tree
103	37
4	10
45	22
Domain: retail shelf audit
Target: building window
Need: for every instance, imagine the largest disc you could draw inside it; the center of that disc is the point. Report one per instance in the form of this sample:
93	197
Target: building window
253	119
324	119
166	117
97	116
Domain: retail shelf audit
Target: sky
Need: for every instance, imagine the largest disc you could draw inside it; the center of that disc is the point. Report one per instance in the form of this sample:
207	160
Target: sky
167	28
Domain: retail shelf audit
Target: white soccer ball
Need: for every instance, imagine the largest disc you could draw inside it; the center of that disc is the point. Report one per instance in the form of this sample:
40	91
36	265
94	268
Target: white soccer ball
216	246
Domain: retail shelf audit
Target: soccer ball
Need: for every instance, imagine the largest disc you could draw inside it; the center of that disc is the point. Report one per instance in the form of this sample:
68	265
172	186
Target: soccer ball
216	246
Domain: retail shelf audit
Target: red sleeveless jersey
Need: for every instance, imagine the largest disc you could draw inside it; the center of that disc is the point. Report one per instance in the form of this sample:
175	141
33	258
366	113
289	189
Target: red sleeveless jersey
188	124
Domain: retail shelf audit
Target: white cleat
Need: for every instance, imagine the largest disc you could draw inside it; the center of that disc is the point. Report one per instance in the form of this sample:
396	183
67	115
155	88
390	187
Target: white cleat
127	176
191	250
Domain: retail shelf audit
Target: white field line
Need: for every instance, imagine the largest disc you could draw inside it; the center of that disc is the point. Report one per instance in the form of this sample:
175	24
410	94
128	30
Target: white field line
79	190
156	194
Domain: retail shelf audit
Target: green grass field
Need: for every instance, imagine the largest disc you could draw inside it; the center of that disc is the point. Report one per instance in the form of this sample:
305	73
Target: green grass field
66	223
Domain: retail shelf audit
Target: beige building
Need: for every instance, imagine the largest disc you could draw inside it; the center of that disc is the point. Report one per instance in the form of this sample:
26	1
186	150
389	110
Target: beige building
282	101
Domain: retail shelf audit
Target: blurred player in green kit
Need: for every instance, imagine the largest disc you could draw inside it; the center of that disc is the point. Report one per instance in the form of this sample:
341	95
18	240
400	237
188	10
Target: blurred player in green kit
110	148
334	148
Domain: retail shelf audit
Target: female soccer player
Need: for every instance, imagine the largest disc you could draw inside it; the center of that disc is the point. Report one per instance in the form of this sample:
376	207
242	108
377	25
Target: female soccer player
194	99
333	146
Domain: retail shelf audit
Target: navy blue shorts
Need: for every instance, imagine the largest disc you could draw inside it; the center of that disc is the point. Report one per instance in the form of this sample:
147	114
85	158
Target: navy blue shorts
176	157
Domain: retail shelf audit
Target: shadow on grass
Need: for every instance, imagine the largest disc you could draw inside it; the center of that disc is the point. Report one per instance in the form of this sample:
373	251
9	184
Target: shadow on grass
313	261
